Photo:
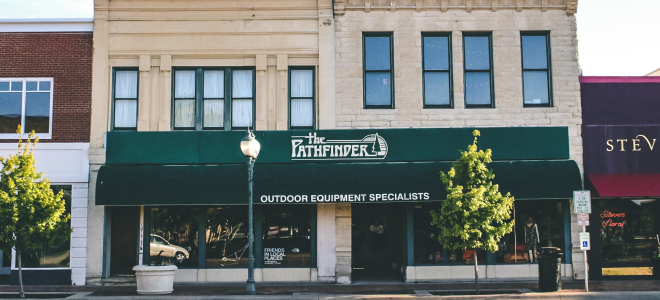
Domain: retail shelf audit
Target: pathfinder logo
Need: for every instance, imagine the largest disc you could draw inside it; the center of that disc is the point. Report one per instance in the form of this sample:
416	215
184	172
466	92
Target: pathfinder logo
311	147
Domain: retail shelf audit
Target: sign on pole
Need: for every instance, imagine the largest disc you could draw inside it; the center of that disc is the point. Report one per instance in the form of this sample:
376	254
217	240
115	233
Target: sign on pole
582	202
585	242
583	220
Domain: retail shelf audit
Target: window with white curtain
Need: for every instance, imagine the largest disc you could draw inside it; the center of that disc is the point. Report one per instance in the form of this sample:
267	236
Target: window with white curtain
301	97
27	102
242	99
205	98
184	99
125	99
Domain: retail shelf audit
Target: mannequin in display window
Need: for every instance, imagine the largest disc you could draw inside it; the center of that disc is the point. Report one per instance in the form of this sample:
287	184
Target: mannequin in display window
531	238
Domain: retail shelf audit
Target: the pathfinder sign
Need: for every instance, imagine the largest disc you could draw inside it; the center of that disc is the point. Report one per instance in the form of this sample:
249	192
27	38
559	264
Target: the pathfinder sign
582	202
313	147
585	243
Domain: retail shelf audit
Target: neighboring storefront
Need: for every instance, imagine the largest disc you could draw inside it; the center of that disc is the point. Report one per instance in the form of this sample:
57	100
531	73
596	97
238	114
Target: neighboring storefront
621	125
45	80
194	197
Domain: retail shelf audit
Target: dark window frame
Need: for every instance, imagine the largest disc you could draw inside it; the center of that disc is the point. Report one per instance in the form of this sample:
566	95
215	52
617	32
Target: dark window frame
313	69
548	70
389	35
449	71
137	98
199	98
490	71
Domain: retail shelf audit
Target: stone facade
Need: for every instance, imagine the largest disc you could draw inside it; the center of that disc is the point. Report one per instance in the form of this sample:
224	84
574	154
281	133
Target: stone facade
157	36
407	20
271	36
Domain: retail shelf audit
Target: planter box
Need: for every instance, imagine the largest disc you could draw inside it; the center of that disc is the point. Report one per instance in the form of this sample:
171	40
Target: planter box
155	279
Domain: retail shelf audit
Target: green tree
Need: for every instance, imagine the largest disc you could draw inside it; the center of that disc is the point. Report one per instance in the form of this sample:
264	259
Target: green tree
475	215
30	213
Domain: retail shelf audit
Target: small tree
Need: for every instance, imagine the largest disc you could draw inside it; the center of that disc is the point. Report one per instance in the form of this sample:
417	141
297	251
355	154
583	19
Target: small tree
475	215
30	213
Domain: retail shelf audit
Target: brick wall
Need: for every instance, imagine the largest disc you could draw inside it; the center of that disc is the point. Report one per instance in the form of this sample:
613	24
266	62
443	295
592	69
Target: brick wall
66	57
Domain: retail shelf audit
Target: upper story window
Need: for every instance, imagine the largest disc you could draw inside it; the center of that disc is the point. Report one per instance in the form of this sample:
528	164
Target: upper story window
27	102
213	99
125	99
436	52
477	49
301	97
378	67
536	66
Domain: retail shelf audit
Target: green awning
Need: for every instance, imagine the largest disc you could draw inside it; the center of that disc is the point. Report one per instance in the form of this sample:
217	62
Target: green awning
334	182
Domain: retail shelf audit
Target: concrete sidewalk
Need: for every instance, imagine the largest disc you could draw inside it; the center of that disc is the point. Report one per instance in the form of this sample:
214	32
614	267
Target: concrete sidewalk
644	295
609	289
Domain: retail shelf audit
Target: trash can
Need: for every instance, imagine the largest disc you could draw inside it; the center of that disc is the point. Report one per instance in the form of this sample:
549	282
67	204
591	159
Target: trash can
549	269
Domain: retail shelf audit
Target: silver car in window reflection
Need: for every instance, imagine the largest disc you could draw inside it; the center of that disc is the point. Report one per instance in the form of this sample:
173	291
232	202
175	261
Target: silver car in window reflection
161	247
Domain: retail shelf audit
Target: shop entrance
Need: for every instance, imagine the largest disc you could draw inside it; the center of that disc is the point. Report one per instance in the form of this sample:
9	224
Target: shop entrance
123	241
377	241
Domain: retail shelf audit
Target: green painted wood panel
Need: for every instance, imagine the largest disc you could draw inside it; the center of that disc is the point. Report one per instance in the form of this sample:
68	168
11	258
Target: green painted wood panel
403	145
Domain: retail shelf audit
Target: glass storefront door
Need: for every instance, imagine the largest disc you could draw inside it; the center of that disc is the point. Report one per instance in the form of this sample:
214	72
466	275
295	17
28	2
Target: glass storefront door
628	235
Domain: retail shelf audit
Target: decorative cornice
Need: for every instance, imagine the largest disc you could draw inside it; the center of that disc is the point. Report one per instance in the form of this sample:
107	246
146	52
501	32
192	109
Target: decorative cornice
570	6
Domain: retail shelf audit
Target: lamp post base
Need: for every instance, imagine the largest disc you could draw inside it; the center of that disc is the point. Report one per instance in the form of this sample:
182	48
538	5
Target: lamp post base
250	289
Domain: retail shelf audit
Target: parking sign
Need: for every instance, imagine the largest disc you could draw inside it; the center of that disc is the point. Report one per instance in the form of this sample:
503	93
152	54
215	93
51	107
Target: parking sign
582	202
585	242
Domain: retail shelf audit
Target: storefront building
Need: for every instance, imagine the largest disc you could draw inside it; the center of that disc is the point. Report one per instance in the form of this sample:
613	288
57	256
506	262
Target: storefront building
621	125
45	86
346	179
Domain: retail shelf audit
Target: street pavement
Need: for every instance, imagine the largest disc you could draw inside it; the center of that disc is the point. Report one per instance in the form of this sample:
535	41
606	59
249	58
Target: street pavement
609	289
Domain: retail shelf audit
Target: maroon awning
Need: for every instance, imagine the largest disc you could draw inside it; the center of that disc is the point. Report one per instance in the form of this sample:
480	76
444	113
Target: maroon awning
624	185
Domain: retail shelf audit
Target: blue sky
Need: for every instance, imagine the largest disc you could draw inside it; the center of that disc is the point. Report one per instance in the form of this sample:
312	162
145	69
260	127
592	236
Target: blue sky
613	39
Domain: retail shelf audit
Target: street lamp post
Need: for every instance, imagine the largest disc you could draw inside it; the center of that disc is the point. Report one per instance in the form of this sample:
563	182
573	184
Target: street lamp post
250	148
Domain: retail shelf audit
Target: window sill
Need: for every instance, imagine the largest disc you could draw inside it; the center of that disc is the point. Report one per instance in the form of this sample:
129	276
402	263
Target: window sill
14	136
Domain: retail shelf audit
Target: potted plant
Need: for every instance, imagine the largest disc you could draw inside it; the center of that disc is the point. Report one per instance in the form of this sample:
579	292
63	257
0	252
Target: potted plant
159	278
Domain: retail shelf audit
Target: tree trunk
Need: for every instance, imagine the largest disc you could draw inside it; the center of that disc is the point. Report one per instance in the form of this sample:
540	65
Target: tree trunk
476	271
20	273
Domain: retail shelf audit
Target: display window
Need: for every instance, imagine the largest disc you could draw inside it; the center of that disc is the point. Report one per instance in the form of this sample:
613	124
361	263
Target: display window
538	223
52	255
227	236
428	249
628	235
287	236
174	237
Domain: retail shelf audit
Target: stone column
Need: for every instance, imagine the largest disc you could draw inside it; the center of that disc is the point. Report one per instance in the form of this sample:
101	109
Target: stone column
281	97
326	242
343	248
326	72
262	93
164	107
144	93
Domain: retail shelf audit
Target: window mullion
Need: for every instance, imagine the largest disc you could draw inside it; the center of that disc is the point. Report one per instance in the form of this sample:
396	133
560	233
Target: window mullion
199	95
24	97
228	90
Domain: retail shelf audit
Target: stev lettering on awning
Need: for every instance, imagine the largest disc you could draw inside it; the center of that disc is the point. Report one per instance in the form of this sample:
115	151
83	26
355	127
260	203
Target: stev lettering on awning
312	183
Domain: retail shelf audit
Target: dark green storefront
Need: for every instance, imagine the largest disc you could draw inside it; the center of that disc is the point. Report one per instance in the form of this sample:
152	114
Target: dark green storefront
379	166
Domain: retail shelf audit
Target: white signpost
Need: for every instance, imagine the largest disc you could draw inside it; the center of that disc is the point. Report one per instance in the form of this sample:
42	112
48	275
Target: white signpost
582	207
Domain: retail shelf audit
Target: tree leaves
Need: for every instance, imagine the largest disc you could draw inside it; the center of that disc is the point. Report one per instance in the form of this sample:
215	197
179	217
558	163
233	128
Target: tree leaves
475	215
30	213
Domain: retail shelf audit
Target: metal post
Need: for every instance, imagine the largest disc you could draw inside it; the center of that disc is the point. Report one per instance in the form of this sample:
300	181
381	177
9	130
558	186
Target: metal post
250	289
586	266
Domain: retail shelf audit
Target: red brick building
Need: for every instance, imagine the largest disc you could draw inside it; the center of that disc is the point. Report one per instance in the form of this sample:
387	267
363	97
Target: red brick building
45	86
